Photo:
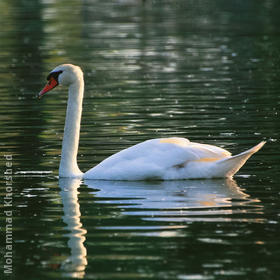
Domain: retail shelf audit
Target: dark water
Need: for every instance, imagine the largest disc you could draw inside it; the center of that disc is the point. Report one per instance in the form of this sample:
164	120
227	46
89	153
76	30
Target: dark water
205	70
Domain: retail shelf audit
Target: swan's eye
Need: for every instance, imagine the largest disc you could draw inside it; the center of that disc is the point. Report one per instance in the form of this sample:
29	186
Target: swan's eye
54	75
52	83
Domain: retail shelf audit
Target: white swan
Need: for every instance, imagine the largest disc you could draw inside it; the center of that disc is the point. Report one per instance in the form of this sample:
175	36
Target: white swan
166	159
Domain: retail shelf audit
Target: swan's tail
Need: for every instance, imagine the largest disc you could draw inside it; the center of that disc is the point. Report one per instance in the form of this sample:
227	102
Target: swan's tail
229	166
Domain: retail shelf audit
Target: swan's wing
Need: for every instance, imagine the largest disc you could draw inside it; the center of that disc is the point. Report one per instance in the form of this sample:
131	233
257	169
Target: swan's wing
151	159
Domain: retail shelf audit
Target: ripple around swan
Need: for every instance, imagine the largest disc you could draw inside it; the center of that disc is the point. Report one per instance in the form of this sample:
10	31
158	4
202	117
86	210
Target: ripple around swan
195	200
109	217
118	230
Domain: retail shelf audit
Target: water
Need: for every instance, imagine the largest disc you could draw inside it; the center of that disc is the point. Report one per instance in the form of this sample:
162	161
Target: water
205	70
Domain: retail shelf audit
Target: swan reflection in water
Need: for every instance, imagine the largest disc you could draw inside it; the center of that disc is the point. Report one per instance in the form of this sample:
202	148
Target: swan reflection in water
76	263
183	200
174	201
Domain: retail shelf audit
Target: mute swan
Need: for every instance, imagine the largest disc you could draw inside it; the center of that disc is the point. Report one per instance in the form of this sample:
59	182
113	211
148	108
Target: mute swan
166	158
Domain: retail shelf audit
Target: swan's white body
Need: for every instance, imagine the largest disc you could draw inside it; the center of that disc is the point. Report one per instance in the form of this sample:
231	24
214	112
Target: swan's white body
166	159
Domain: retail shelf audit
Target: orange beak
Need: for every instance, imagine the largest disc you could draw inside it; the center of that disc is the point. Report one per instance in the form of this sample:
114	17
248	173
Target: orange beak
49	86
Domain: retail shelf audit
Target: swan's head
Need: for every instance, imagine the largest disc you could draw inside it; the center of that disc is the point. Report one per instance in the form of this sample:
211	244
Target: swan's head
64	74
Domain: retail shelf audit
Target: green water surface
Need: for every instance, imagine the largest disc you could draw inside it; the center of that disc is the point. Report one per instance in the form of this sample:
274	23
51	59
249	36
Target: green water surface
204	70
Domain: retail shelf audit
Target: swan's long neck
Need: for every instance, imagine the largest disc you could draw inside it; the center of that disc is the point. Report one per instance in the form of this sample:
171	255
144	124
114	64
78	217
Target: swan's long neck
68	164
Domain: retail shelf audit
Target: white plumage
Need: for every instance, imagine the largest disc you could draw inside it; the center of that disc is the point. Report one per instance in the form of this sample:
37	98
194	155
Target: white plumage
166	159
169	159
